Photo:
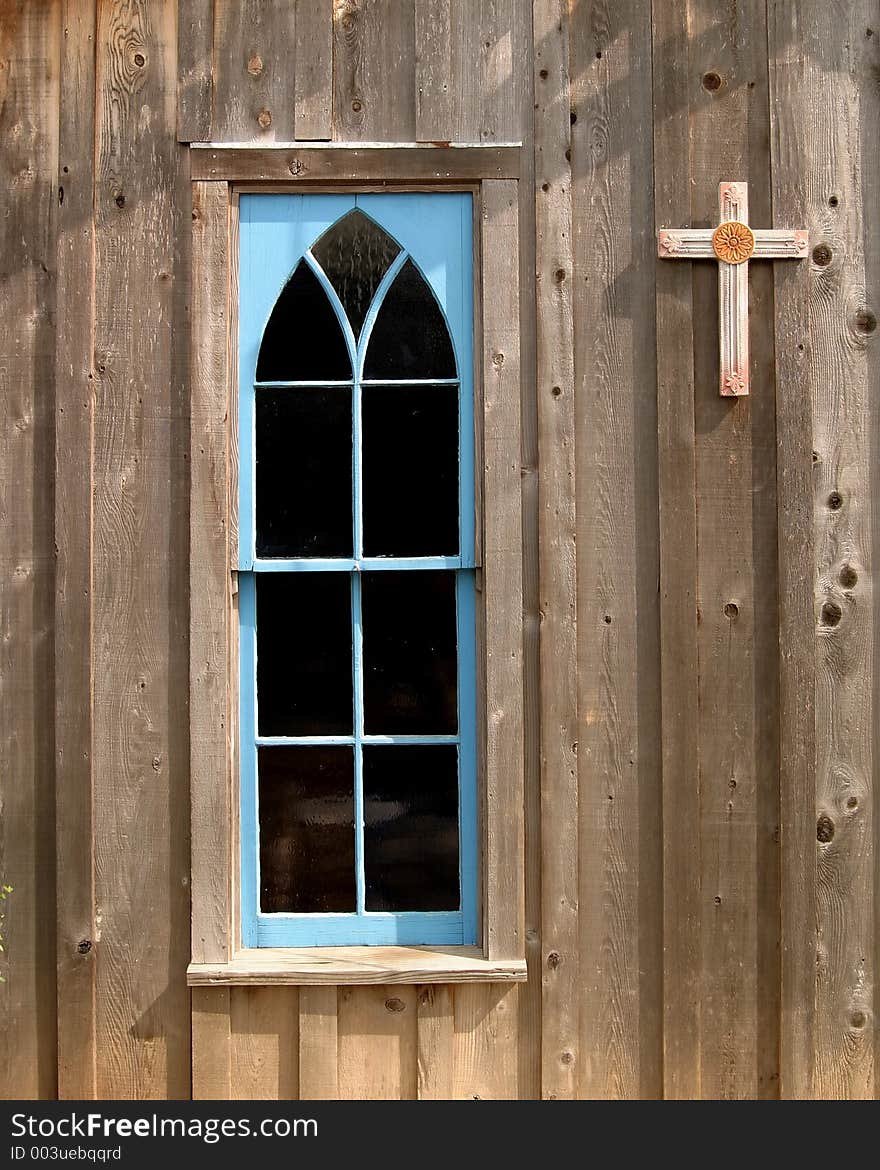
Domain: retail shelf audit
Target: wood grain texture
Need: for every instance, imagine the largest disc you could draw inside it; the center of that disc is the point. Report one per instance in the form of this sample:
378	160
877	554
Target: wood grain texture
435	83
313	113
195	81
139	593
727	140
356	164
557	556
618	737
306	966
436	1043
824	148
865	322
502	574
374	59
29	92
254	64
210	600
678	569
470	75
797	601
486	1042
74	341
318	1044
211	1044
264	1054
529	996
378	1043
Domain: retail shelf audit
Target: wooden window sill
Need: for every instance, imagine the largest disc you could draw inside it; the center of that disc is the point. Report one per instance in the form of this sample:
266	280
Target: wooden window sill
269	966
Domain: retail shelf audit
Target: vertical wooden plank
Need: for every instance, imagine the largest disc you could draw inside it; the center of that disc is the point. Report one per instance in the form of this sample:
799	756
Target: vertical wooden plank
486	1042
29	58
374	69
254	62
489	68
822	48
313	114
618	738
529	994
797	567
140	523
378	1043
210	601
195	43
728	138
865	321
436	1040
211	1044
264	1050
73	539
502	571
435	99
557	555
318	1044
678	567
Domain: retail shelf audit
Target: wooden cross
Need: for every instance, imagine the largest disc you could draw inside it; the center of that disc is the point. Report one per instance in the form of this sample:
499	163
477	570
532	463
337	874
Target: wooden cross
733	243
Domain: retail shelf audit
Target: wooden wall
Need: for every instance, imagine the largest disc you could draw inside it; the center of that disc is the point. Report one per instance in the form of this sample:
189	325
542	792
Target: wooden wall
698	617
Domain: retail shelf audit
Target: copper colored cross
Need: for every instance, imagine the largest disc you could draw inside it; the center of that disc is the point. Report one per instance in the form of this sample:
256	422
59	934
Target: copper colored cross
733	243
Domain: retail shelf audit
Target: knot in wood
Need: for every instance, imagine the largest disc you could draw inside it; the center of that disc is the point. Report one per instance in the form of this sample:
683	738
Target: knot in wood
255	65
296	166
831	614
848	577
866	322
822	255
553	960
395	1005
824	828
84	946
497	360
264	118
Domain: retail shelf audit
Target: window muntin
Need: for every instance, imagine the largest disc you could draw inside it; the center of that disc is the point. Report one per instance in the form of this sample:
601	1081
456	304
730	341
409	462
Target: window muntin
405	561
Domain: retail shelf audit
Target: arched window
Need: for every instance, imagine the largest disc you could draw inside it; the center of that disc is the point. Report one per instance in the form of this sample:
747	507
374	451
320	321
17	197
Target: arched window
357	641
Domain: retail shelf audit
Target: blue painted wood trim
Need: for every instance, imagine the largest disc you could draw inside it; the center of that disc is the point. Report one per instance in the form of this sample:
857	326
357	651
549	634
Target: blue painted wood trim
275	236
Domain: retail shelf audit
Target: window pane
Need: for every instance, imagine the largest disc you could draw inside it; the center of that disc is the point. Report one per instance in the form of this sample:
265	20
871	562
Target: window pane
307	830
304	654
303	341
410	338
410	469
411	828
409	653
304	496
355	254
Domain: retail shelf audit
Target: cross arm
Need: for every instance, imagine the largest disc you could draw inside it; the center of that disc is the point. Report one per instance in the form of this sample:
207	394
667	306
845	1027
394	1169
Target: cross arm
685	244
779	244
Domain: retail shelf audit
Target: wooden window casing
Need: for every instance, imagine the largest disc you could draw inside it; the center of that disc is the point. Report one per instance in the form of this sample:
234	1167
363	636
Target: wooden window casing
219	174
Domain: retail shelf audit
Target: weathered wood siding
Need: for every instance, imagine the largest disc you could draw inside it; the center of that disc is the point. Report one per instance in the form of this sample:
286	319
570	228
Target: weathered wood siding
699	629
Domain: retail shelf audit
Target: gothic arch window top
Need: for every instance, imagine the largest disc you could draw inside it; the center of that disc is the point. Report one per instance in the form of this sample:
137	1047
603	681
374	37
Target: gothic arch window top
356	299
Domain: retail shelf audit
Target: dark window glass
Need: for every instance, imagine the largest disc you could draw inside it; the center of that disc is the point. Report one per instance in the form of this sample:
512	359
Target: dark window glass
409	653
303	341
355	253
409	338
304	496
411	828
304	654
306	830
410	470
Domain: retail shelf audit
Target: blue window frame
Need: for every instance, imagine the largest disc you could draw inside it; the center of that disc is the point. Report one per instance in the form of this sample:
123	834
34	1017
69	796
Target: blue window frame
358	774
